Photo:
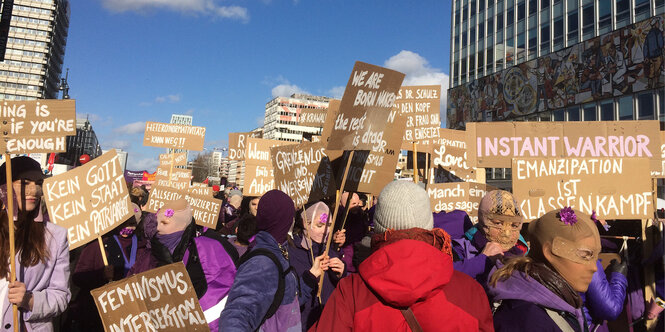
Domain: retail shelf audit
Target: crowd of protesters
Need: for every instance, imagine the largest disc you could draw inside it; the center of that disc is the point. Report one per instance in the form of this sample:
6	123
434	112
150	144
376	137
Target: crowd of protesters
384	264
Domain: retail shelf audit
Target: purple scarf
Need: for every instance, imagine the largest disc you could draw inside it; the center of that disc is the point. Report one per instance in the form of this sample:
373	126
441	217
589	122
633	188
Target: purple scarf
170	241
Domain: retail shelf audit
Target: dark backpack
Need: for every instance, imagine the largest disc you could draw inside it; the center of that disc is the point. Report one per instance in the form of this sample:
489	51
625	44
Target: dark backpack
230	249
279	294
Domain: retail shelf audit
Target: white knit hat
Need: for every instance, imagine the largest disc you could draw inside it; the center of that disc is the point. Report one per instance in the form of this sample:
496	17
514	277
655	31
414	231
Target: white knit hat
402	205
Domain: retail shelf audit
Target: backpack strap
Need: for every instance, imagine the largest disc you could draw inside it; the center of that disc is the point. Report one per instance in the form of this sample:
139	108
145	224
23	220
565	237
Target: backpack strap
561	322
411	320
279	294
195	271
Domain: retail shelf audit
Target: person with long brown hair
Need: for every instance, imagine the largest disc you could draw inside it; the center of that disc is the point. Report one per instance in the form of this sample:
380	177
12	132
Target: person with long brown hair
41	289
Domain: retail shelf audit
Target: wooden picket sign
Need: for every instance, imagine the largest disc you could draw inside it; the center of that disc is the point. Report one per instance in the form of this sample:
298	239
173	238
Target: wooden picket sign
334	217
101	248
10	220
415	162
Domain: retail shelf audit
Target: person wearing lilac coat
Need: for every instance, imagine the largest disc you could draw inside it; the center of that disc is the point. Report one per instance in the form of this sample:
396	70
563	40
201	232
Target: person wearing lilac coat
41	289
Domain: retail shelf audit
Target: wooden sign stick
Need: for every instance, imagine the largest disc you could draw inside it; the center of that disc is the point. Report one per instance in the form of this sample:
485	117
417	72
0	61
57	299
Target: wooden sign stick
427	177
415	162
309	243
334	217
10	220
171	169
101	248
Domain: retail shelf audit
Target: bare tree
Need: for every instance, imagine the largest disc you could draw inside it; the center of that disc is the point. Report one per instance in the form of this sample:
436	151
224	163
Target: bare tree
201	166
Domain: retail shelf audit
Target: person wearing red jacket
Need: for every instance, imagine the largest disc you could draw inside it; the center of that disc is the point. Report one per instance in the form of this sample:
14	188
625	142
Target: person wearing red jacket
409	272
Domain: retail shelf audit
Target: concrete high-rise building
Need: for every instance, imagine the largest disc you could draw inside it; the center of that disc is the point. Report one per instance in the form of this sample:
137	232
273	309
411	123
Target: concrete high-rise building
35	50
555	60
181	119
215	164
281	117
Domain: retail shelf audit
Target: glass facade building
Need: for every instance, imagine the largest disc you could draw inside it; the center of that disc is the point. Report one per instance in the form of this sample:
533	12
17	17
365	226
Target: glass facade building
556	60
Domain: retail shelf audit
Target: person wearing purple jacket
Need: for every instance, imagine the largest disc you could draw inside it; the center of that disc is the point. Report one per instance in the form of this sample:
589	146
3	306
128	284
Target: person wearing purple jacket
540	292
171	233
309	241
604	299
495	236
41	289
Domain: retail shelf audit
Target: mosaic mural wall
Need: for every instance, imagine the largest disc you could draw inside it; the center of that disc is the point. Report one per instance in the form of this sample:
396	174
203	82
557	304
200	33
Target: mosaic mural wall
621	62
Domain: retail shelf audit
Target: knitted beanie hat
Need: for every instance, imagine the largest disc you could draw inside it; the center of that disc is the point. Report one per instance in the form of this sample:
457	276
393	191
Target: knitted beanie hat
275	214
402	205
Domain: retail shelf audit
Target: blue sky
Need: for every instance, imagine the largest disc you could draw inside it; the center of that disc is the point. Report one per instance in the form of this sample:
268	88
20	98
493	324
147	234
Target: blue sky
133	61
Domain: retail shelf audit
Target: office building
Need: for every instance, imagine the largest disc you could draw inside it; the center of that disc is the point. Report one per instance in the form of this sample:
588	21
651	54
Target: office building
122	157
281	117
35	50
181	119
555	60
85	142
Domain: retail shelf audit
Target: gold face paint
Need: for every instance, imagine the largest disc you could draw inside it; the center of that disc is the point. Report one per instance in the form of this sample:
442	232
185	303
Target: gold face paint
504	232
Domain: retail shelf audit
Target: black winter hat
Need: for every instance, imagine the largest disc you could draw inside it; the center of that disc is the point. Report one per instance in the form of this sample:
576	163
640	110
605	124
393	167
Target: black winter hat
22	168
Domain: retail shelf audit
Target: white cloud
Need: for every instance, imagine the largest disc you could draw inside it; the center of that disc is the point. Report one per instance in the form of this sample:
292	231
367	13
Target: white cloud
116	144
168	98
286	90
419	72
190	111
191	7
337	92
136	164
259	121
131	128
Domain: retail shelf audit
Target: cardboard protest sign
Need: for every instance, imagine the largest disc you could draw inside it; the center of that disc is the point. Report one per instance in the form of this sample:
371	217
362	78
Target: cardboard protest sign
421	106
494	144
450	154
464	196
205	209
178	159
312	117
161	299
658	168
200	189
237	145
333	109
37	125
180	178
159	195
174	136
303	172
366	106
89	200
616	188
259	175
369	171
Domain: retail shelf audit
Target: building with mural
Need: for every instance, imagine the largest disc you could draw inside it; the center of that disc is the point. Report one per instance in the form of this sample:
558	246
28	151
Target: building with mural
556	60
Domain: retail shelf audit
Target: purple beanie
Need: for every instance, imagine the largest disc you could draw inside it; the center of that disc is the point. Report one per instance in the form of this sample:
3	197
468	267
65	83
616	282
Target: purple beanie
275	214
